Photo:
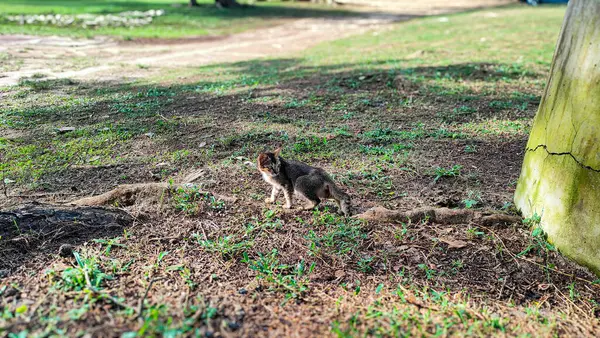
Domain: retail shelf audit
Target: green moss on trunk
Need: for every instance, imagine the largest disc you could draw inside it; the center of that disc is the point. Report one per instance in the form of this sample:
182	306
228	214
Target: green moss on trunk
560	178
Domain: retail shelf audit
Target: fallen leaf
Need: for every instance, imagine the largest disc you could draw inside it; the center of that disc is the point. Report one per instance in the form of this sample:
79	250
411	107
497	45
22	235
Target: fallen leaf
454	243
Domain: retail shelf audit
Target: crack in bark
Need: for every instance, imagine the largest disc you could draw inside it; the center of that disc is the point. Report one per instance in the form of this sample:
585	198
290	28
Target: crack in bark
563	154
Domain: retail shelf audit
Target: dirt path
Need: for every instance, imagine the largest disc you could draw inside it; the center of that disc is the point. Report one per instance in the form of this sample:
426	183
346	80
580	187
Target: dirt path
104	58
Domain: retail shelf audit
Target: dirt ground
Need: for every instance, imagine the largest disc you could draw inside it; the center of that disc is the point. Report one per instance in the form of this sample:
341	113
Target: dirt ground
103	58
224	264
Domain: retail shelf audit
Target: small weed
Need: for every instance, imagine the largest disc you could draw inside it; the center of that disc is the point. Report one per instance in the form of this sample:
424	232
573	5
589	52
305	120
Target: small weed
473	199
538	242
312	144
399	234
269	222
532	221
474	232
470	148
191	200
226	246
429	272
457	264
295	103
74	278
440	172
456	113
573	294
364	264
342	238
281	277
109	243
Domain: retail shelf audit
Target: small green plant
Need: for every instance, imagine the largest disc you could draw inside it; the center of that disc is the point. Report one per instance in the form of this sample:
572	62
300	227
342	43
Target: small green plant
457	264
295	103
470	148
429	272
280	277
364	264
342	238
538	242
110	243
185	273
191	201
474	232
310	144
440	172
270	221
573	294
226	246
399	234
76	278
534	220
473	198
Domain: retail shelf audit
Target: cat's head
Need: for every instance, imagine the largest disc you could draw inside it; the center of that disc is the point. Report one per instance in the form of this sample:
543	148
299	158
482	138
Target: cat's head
268	162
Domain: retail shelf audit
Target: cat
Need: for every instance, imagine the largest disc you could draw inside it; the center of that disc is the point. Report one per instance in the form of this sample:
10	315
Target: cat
308	182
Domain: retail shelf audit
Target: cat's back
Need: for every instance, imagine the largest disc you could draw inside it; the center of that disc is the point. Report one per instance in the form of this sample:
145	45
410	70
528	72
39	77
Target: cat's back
297	168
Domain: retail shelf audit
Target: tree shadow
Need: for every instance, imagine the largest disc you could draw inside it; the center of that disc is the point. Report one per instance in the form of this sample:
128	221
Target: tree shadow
365	110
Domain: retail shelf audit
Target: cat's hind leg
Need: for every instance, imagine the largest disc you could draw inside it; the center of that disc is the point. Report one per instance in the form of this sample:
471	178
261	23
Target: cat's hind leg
308	186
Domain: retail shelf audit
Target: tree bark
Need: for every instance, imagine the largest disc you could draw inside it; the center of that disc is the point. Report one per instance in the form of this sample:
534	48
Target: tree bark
193	3
560	177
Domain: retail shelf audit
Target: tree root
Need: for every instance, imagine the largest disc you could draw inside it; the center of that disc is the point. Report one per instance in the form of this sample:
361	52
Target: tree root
437	215
128	194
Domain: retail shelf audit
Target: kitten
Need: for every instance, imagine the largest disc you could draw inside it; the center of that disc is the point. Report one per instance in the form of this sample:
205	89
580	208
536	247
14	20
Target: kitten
293	176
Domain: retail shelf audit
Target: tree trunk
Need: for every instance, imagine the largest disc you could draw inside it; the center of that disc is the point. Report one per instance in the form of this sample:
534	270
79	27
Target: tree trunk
560	177
193	3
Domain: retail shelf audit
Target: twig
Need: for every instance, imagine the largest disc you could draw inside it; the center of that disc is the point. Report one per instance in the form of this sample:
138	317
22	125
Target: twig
141	309
502	287
203	232
570	301
164	238
558	271
514	257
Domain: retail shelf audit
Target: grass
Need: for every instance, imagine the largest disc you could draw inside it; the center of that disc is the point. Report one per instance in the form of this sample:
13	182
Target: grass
383	122
179	21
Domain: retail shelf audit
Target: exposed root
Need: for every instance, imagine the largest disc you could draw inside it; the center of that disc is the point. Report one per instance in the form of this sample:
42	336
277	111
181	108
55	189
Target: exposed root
437	215
129	194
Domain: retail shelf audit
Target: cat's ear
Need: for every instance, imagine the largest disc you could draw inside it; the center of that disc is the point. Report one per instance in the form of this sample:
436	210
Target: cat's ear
262	160
277	151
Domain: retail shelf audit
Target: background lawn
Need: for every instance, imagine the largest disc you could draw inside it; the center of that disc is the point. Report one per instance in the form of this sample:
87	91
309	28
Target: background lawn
178	21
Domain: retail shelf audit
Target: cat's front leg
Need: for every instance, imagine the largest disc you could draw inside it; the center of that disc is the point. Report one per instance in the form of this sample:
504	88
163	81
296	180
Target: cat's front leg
288	193
274	193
